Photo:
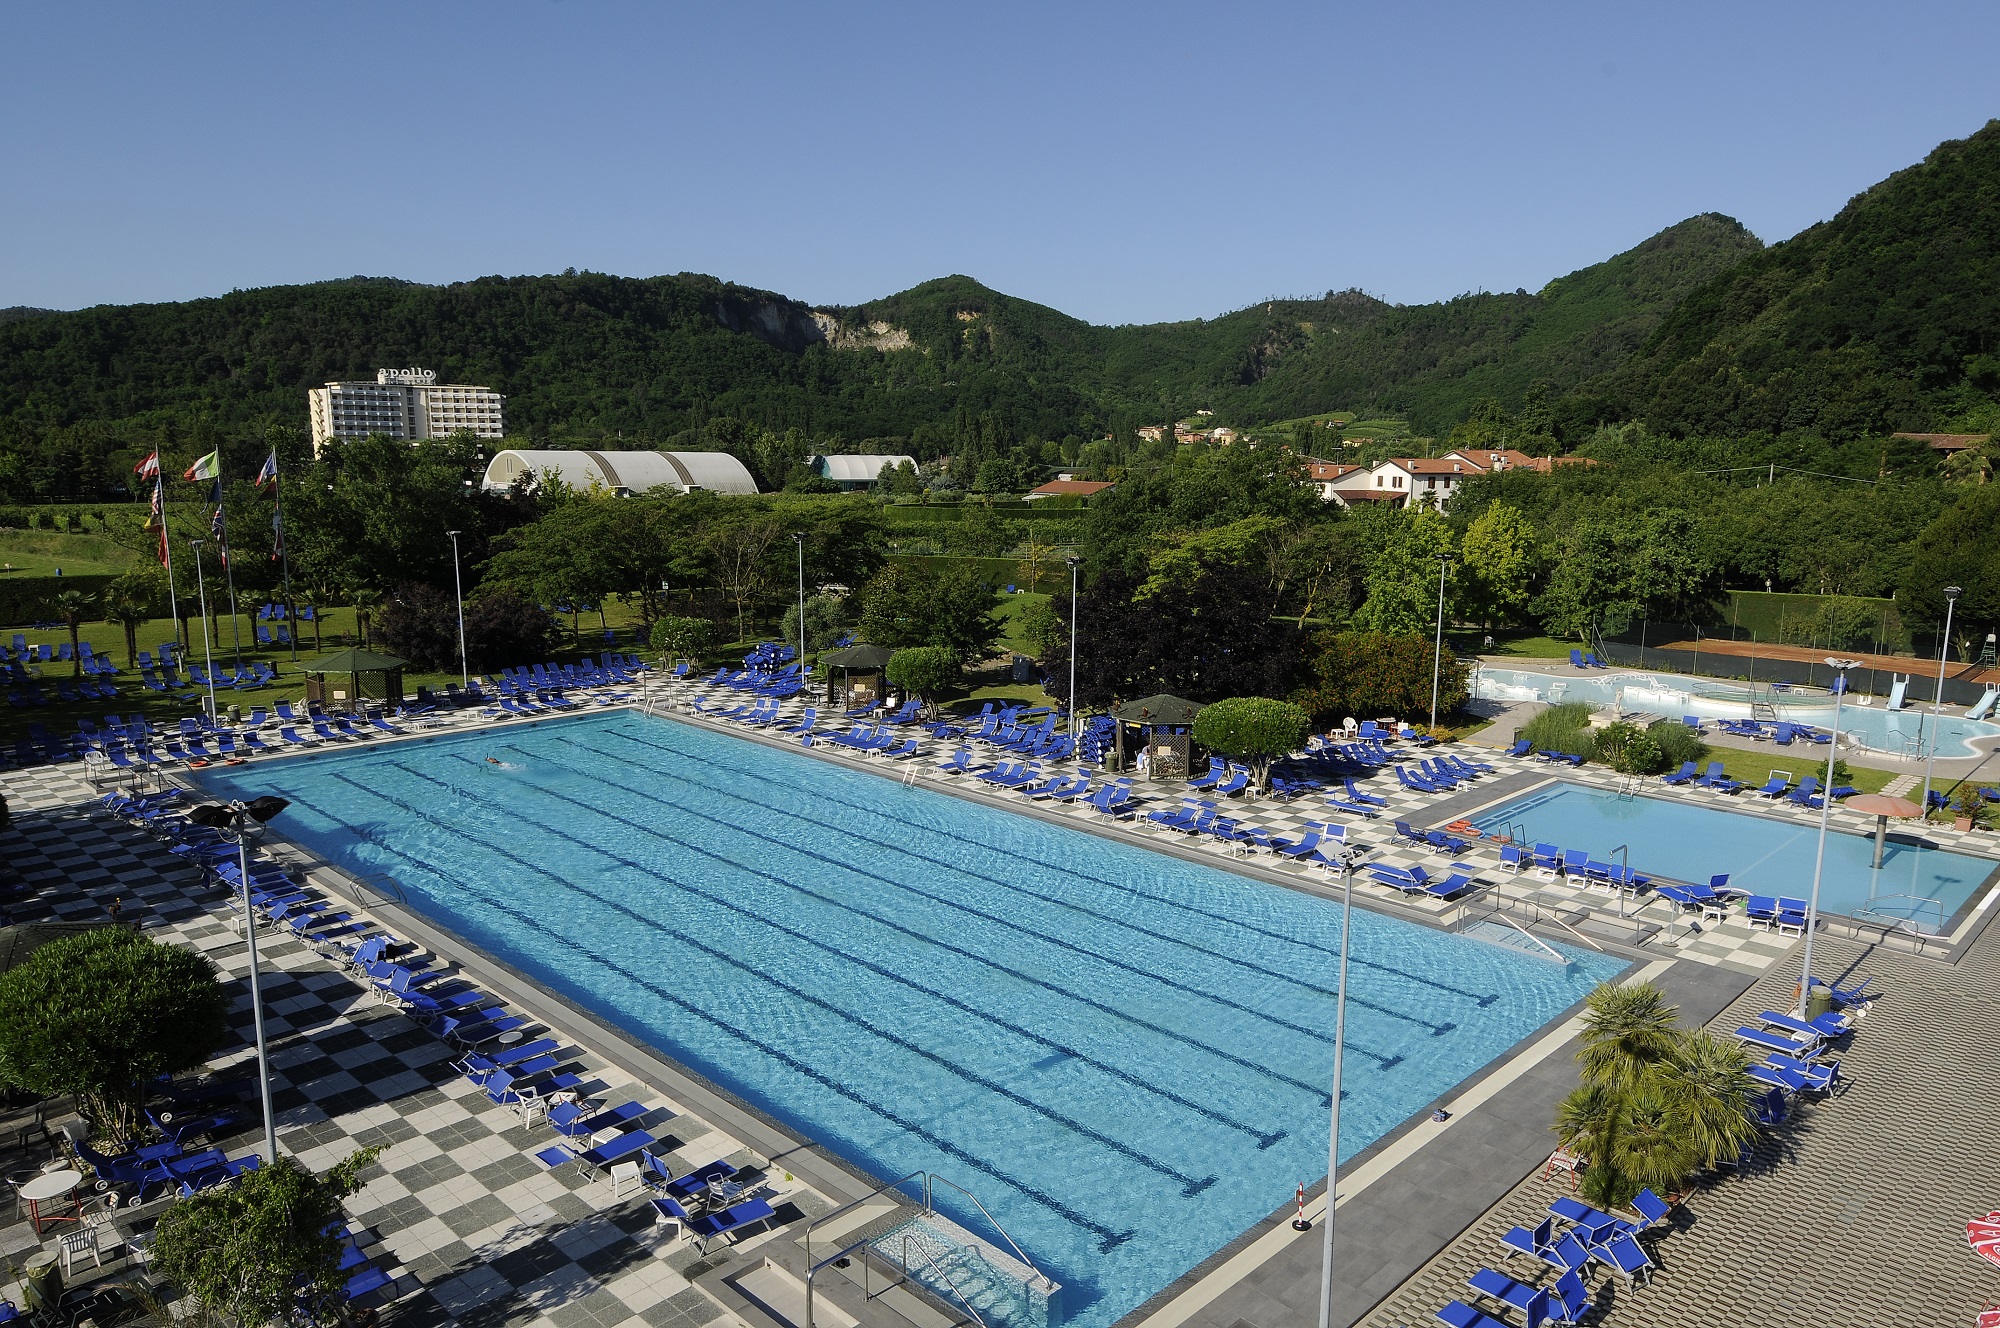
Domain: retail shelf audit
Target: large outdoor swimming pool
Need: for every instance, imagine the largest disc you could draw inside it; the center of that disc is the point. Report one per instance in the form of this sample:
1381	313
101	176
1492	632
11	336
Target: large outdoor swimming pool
1670	837
1124	1055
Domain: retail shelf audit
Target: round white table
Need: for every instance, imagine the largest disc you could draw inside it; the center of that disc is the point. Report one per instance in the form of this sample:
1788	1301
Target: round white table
48	1186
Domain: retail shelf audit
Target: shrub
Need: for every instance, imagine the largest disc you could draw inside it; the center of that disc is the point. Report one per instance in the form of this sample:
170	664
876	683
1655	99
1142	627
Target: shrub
264	1249
682	636
1379	673
1630	750
420	623
1563	728
1253	729
100	1013
504	628
925	671
1677	742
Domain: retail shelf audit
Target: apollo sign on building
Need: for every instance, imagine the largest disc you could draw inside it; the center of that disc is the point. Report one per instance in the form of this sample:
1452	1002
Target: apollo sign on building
413	377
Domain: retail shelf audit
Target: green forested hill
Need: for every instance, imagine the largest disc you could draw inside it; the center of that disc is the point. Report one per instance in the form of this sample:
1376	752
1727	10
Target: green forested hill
1885	317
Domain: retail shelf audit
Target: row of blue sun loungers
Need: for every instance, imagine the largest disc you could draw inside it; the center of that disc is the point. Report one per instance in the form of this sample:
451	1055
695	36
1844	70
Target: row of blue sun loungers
1584	659
1587	1239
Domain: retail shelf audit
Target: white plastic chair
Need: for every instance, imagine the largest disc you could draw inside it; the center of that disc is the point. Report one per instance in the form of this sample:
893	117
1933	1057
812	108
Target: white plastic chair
77	1243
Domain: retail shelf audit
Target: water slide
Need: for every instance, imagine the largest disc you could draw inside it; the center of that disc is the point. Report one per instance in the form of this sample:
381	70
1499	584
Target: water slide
1984	706
1896	693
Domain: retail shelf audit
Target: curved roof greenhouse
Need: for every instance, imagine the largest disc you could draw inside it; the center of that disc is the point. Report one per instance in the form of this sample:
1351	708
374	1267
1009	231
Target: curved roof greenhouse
624	472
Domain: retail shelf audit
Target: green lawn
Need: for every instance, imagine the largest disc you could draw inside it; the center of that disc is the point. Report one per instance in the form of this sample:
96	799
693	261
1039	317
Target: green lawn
1009	611
1519	645
39	553
1754	767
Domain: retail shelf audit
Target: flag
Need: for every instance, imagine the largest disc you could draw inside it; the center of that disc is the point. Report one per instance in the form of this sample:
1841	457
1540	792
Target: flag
149	469
158	519
277	537
269	474
216	528
208	468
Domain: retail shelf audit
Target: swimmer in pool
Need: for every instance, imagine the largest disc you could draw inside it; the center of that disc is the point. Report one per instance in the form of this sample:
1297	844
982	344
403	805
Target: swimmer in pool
494	760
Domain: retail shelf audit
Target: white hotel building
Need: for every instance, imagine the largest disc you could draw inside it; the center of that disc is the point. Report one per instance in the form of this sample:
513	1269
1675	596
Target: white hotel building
404	403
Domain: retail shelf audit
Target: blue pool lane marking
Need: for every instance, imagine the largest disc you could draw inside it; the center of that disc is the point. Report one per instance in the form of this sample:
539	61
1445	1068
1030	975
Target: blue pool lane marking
1020	975
1108	1239
1482	999
1264	1138
1386	1062
1190	1185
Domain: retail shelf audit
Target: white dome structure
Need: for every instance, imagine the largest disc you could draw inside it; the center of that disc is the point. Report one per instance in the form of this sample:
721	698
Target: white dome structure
624	472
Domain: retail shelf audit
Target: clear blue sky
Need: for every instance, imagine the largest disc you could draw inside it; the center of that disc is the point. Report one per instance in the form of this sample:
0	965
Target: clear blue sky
1125	163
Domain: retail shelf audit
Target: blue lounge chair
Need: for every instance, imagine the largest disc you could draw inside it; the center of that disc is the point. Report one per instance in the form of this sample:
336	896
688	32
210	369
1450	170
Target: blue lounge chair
1846	996
1458	1314
1623	1254
1769	1041
729	1222
1216	773
1817	1076
1682	775
1826	1026
1365	799
1592	1225
1538	1242
1440	842
1239	779
1403	831
1504	1289
1521	747
1576	659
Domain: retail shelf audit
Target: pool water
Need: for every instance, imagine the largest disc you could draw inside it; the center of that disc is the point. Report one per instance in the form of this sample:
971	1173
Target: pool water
1124	1055
1674	695
1768	856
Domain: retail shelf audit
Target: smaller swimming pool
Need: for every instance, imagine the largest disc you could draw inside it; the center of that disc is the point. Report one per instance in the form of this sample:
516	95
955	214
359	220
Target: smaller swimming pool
1674	695
1762	854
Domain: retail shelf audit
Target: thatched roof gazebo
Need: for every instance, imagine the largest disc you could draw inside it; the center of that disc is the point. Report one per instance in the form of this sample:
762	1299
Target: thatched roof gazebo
866	663
346	677
1161	727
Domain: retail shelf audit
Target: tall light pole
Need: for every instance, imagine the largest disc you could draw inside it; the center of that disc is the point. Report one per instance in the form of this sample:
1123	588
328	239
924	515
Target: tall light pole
799	538
1951	594
1437	647
238	817
1075	732
207	649
1333	1126
1840	668
458	591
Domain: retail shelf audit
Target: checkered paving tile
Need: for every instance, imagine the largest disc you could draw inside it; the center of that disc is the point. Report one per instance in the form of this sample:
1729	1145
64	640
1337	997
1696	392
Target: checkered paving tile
473	1227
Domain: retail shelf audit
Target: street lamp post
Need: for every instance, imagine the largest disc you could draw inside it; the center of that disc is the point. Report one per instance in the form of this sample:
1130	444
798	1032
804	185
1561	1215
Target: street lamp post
799	538
238	817
1951	594
1333	1126
1437	647
207	649
1075	731
1840	668
458	589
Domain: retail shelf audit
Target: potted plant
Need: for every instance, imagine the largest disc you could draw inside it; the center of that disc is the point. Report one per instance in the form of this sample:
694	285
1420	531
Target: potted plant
1968	805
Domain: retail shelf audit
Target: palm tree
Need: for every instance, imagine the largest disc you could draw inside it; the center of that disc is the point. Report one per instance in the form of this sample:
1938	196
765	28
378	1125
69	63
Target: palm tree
71	606
132	601
1972	465
1707	1088
365	600
1627	1028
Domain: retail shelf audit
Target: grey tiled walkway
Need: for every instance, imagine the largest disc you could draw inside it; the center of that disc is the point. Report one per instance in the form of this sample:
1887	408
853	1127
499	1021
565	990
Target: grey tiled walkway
1854	1214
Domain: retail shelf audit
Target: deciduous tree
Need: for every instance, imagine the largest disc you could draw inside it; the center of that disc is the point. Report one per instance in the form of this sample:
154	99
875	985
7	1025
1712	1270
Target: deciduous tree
99	1014
1253	729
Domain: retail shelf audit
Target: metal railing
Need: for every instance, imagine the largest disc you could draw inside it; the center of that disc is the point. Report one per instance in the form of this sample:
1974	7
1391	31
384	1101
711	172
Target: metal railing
939	1271
1907	921
924	1207
382	885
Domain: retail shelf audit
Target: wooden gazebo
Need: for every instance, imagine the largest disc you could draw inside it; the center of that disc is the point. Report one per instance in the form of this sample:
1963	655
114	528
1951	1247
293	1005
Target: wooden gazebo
863	675
1162	727
346	677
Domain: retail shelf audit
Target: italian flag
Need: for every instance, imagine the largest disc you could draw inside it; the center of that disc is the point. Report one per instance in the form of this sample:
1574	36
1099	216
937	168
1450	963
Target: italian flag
208	468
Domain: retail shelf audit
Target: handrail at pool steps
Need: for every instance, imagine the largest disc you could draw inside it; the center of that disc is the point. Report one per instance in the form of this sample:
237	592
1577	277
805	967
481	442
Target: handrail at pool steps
1910	922
894	1190
1493	907
381	885
938	1270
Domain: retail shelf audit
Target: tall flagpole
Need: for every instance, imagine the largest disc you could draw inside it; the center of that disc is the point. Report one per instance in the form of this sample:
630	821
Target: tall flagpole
167	549
284	550
222	544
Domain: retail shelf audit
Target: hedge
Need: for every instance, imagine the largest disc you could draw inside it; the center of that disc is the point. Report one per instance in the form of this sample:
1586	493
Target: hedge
24	600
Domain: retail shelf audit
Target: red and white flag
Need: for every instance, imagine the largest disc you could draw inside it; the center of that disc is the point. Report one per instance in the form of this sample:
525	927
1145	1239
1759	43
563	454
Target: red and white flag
149	469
